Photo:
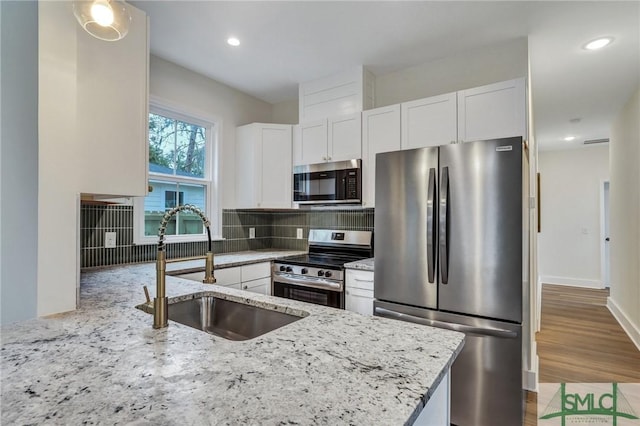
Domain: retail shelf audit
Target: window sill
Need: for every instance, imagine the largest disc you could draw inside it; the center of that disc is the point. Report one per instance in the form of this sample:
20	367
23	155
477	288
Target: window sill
168	240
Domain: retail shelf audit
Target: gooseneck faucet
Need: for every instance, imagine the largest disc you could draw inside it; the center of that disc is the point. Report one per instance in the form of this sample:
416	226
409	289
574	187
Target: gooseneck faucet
160	303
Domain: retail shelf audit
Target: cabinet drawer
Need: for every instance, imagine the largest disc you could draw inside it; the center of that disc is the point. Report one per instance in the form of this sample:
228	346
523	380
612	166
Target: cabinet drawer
359	279
227	276
262	286
255	271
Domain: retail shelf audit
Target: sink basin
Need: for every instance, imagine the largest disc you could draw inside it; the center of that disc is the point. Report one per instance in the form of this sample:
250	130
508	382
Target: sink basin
228	319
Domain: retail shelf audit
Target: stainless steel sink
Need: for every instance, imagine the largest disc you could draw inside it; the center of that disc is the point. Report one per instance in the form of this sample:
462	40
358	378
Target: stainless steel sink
228	319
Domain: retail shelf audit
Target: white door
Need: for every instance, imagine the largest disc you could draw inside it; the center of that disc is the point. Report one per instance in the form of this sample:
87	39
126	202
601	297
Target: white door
606	242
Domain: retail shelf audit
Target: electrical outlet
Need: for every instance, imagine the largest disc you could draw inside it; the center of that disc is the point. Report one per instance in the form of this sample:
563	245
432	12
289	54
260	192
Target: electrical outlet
109	239
299	233
252	232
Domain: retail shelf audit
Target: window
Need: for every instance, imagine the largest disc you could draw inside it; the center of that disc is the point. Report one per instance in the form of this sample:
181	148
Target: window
181	171
170	200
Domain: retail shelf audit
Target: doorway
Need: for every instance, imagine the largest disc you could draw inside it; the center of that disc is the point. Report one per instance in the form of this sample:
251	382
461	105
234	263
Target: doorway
605	241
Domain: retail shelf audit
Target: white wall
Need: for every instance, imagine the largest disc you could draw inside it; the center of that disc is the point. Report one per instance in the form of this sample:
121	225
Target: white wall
58	183
19	160
462	71
569	244
286	112
625	218
201	94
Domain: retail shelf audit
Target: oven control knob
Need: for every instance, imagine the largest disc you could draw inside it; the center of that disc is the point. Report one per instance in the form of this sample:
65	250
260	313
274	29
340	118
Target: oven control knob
304	271
282	268
320	273
289	269
327	274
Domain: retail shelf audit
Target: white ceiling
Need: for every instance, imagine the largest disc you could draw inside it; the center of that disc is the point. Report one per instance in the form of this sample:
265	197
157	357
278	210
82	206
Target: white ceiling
285	43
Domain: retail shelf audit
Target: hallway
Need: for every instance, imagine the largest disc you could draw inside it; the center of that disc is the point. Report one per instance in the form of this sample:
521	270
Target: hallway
580	341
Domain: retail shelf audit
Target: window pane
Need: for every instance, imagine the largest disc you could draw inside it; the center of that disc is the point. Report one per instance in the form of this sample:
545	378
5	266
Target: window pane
167	195
188	222
190	150
162	134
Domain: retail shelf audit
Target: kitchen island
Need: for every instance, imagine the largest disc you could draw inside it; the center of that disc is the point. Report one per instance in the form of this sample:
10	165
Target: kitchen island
105	364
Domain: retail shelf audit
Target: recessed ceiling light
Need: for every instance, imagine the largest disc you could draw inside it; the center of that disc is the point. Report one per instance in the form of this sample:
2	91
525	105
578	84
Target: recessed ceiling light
598	43
233	41
569	138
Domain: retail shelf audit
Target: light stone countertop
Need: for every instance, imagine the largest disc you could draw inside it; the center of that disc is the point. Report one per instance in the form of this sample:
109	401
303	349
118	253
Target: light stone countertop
364	264
105	364
228	260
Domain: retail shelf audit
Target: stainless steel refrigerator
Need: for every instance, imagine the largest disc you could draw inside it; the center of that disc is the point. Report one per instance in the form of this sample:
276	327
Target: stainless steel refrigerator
451	226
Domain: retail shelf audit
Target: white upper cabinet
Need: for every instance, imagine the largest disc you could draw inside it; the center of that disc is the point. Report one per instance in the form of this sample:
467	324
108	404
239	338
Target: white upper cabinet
311	142
344	93
335	139
380	133
263	166
429	122
493	111
112	110
345	137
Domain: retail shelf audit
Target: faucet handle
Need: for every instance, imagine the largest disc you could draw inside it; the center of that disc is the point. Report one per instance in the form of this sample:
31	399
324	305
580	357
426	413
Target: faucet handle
146	294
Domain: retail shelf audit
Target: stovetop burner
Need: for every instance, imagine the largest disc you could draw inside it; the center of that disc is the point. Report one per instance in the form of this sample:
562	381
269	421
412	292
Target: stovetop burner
321	261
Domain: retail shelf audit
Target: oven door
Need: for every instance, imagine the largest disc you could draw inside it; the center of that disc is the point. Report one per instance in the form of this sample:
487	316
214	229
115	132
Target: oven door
310	292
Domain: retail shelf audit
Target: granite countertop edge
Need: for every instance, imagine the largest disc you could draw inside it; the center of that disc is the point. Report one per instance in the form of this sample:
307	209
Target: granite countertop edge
363	265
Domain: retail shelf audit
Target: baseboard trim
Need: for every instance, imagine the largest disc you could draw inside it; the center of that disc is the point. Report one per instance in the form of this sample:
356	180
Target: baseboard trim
632	331
530	380
573	282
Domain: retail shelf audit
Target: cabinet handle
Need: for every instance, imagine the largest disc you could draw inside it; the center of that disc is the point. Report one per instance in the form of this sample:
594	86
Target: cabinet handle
363	281
324	158
246	287
328	158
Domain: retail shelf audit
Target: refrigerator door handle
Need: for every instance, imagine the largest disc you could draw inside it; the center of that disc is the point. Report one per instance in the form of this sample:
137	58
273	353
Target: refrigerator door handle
431	231
444	216
483	331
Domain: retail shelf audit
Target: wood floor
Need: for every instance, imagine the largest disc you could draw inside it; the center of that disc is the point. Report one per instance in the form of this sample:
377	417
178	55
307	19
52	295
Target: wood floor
580	341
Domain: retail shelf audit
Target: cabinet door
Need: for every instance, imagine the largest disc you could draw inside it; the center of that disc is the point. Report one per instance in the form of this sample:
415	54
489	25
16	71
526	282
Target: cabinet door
112	110
493	111
247	173
345	137
275	167
429	122
261	286
313	142
296	145
380	133
359	300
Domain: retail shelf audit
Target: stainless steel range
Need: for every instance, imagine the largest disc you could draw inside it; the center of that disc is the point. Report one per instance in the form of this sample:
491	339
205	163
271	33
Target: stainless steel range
318	277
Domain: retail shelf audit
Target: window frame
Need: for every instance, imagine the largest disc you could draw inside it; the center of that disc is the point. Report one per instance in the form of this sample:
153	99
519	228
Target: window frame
211	180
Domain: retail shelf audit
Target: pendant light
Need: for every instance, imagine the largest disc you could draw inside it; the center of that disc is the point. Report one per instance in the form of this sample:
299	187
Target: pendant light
107	20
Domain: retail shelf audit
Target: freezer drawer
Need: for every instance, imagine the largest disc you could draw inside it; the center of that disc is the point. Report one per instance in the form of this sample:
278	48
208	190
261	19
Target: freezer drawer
486	378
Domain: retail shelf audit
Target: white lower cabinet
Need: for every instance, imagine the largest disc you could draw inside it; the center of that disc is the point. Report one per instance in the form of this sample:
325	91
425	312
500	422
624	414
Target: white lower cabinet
261	286
437	410
359	291
255	277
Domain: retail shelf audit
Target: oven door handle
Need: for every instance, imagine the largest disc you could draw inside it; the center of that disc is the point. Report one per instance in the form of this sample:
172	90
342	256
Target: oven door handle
308	282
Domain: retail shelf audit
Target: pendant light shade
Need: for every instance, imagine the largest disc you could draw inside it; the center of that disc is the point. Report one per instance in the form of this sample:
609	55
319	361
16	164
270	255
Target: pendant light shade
107	20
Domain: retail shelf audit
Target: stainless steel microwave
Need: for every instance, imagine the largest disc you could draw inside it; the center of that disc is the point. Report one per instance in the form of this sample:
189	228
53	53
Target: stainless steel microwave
328	183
